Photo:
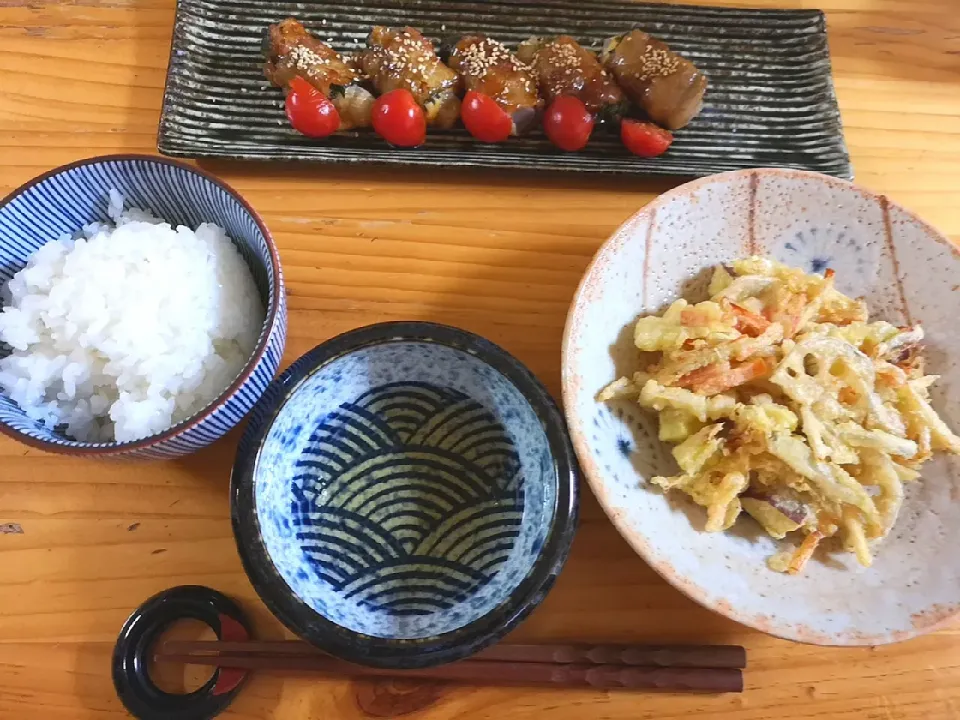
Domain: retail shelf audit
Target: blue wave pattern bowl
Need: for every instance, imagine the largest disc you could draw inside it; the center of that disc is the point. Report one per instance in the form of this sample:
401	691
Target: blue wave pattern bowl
67	198
404	495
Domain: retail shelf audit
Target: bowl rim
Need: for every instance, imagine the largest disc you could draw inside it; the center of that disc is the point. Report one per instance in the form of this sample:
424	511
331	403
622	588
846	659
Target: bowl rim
394	653
594	477
267	328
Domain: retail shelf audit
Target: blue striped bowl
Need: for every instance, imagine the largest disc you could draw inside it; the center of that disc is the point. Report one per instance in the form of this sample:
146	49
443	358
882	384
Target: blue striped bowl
67	198
404	495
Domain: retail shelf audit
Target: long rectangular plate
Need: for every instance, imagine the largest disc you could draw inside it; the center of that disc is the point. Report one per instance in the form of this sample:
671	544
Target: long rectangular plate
770	102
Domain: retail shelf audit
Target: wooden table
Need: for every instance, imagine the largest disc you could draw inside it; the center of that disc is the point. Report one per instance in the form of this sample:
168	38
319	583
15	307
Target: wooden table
497	255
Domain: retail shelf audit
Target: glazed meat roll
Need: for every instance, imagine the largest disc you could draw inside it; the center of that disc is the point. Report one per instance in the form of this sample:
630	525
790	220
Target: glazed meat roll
486	66
668	87
293	52
405	59
564	67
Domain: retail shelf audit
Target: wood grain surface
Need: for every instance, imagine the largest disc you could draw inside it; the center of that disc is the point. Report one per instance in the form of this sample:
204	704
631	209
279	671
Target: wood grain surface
83	543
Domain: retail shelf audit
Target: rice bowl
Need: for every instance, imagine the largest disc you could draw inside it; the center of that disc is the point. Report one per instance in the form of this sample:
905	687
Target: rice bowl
106	345
67	199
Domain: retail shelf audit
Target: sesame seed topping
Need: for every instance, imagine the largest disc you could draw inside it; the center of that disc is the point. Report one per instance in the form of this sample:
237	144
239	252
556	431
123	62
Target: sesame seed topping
657	62
311	64
305	59
481	57
409	56
564	56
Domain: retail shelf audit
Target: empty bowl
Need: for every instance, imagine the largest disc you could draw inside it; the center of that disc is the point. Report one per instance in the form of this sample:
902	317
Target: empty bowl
404	495
66	199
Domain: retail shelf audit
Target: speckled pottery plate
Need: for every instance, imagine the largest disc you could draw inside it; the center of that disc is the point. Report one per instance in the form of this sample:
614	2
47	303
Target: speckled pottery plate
906	270
404	495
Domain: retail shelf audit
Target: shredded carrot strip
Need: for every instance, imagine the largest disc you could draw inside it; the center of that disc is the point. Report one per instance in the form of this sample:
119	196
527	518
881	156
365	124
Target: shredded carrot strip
720	377
791	315
804	552
847	395
749	323
691	317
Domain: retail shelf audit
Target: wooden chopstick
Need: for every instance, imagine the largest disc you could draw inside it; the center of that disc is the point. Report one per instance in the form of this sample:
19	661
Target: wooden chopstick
700	668
731	657
681	679
676	656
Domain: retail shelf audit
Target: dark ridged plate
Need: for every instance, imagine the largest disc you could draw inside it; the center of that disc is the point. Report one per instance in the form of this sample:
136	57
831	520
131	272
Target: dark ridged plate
771	100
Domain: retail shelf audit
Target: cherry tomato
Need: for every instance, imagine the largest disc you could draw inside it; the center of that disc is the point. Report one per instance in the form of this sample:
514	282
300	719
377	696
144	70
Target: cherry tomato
484	119
645	139
568	123
309	111
398	119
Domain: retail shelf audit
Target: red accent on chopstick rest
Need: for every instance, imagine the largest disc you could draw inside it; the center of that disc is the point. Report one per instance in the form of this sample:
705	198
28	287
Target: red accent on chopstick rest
229	678
231	630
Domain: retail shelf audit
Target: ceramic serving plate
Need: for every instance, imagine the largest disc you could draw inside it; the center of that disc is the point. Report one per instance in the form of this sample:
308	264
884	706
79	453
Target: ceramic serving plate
906	271
770	102
404	495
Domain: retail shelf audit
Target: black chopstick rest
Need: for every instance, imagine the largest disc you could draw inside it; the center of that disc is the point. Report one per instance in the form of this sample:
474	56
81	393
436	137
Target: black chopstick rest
135	645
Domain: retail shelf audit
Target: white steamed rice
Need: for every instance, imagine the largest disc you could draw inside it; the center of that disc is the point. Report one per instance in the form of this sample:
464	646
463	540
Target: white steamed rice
127	329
